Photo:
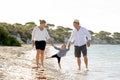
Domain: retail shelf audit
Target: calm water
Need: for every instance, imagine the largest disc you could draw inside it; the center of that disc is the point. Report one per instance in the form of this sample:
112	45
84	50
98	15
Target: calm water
104	63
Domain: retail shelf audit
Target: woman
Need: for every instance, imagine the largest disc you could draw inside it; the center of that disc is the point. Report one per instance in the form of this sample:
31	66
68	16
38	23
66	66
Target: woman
39	38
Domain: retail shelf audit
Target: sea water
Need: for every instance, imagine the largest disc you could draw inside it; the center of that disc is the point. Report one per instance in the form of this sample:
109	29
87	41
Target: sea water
104	63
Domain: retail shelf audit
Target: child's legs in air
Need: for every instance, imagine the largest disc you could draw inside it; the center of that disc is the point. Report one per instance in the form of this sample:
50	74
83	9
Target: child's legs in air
52	56
59	59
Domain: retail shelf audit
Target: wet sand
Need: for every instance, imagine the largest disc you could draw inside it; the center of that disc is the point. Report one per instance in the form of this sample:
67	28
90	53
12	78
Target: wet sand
16	63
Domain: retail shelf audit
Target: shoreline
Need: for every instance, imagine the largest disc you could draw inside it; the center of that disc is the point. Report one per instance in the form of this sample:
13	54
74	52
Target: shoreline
104	44
17	63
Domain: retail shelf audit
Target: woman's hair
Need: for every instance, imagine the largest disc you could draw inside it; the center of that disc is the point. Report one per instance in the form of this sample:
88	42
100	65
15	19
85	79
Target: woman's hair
42	21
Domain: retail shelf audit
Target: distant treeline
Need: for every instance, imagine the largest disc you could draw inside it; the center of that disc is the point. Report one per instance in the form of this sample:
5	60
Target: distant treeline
104	37
17	34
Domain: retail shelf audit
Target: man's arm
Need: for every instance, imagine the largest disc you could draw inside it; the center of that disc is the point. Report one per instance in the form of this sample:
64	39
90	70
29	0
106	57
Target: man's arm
71	39
69	44
88	43
88	37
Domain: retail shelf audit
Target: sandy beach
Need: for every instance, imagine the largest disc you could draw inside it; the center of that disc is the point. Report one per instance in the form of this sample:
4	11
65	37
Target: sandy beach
16	63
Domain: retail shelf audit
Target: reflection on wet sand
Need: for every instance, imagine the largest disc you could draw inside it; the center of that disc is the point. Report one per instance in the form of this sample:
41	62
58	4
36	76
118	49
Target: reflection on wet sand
39	74
81	76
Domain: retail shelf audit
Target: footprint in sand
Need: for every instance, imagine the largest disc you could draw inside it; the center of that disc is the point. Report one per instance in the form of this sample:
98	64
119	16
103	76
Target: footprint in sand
41	77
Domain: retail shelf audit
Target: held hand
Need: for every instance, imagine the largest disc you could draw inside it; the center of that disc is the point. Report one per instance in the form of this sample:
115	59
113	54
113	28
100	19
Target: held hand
32	45
52	44
69	44
88	44
50	41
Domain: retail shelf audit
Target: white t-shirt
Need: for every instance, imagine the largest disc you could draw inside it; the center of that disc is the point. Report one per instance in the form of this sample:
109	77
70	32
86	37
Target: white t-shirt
79	36
40	35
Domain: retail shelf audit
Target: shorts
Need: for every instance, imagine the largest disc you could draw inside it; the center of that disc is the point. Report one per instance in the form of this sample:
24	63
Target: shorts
40	45
58	58
79	49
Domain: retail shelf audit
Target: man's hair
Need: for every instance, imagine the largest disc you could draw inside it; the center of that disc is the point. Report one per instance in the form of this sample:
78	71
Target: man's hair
42	21
76	21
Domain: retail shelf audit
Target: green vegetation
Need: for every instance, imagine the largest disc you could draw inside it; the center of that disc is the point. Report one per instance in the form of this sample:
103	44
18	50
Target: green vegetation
5	38
106	37
60	34
17	34
11	41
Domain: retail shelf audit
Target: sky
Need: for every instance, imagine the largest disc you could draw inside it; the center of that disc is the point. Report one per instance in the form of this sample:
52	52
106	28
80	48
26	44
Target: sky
95	15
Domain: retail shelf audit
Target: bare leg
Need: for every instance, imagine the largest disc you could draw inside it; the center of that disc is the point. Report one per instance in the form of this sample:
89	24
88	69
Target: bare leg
86	61
37	57
42	57
79	63
59	65
48	57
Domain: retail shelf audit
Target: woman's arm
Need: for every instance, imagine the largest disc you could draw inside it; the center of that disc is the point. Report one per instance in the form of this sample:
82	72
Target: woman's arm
33	43
33	35
52	44
47	35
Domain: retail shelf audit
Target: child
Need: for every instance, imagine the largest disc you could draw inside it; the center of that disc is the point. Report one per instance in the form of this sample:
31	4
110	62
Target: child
62	52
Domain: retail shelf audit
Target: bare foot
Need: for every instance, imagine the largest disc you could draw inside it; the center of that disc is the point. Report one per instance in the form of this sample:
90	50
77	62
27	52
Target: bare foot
86	70
35	67
47	57
79	69
42	68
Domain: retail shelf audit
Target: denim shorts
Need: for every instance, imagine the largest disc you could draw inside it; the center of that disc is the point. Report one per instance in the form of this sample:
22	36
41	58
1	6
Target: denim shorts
79	49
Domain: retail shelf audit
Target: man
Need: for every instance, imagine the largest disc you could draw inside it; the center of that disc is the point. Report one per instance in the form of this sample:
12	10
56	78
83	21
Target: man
80	36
